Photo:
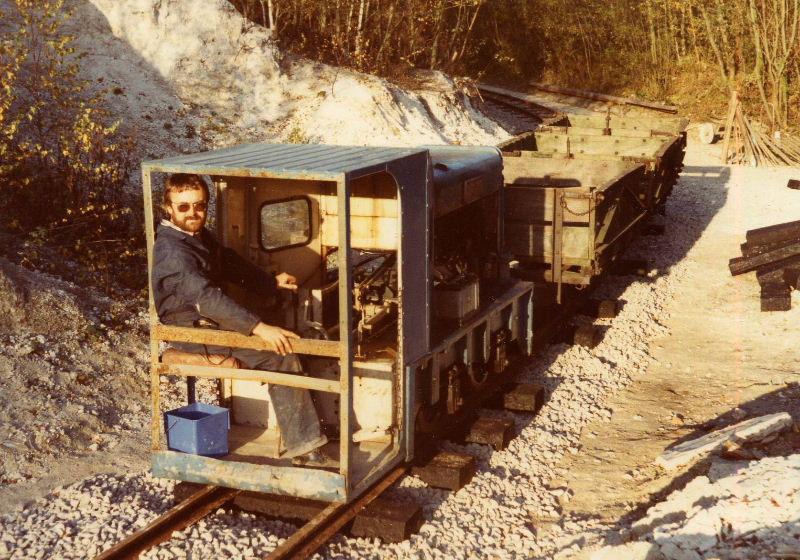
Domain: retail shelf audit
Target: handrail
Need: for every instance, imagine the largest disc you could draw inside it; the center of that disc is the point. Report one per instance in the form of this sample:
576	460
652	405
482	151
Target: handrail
160	331
274	377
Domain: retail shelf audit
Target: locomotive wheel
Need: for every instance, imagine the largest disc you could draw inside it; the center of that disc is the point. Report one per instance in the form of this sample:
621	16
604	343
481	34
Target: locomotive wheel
425	419
478	374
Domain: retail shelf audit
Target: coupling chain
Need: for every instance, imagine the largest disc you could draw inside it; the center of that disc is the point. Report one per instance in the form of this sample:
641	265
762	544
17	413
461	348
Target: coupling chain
566	207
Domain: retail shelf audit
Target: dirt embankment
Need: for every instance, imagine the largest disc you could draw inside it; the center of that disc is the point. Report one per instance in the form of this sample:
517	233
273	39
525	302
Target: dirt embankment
73	383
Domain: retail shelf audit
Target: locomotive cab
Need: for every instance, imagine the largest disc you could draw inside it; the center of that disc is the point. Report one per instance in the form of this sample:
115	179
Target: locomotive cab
404	306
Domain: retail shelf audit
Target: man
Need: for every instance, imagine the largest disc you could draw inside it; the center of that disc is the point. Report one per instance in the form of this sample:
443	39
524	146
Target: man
188	267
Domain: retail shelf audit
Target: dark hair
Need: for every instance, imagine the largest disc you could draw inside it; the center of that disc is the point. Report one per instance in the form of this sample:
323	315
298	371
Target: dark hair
180	182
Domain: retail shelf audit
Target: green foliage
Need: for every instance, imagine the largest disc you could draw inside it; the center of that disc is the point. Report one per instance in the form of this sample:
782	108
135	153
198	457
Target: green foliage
297	136
65	166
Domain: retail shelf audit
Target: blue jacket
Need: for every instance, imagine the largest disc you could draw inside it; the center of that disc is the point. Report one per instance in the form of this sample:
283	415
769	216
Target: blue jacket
186	278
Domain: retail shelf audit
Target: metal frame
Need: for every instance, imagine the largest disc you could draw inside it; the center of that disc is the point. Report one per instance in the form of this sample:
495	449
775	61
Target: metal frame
408	168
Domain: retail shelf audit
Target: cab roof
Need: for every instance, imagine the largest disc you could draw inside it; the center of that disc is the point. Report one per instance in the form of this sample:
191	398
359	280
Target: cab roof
287	161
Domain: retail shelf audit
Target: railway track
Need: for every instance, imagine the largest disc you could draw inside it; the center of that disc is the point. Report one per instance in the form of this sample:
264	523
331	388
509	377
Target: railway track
302	544
515	113
185	514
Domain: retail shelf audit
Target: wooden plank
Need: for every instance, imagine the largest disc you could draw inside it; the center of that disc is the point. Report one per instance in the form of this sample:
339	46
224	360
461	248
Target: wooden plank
740	265
367	233
557	267
774	233
345	329
535	241
600	145
726	141
654	125
278	378
534	203
601	308
776	272
524	397
587	335
636	267
155	380
282	507
776	303
324	348
747	430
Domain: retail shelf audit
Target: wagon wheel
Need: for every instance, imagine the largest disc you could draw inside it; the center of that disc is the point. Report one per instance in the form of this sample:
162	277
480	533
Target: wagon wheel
478	373
425	418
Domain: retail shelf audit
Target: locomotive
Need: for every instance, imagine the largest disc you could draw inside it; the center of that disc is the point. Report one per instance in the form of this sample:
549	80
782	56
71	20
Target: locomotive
416	270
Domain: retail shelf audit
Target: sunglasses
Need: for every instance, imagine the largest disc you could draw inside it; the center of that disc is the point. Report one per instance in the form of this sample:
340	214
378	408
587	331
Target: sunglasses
186	206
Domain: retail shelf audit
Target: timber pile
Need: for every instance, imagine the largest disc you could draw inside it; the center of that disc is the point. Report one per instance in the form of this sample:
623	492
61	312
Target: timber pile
745	142
773	252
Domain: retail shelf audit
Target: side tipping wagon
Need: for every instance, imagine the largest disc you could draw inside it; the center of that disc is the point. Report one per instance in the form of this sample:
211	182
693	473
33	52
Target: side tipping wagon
407	313
566	220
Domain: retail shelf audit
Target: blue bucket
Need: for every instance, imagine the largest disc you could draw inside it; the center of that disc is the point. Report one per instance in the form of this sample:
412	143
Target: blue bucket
198	428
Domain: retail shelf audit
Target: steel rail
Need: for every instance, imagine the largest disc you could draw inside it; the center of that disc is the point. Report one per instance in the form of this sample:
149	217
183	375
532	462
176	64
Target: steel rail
183	515
302	544
531	110
314	534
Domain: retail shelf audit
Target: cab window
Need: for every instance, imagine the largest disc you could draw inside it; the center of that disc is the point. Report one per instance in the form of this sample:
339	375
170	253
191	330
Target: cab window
285	223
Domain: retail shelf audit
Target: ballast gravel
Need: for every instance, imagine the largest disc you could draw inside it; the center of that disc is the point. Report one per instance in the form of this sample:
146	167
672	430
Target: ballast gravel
507	511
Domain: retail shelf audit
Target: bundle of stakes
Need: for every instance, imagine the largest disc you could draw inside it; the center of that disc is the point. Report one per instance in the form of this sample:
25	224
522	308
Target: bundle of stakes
773	252
746	143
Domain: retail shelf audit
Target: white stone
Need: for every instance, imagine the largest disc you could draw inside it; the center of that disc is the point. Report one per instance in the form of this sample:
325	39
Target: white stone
672	551
628	551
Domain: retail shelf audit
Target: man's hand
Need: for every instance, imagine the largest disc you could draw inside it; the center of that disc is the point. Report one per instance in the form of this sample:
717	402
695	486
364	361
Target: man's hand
277	339
286	281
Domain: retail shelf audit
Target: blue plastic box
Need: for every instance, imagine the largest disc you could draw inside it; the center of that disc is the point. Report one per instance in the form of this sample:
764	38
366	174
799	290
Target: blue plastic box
198	428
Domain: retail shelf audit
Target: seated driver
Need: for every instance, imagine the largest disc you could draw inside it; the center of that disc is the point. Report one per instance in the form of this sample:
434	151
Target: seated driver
188	267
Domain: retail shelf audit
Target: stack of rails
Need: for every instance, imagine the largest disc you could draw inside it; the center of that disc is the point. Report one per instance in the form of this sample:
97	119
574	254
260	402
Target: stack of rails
773	252
622	167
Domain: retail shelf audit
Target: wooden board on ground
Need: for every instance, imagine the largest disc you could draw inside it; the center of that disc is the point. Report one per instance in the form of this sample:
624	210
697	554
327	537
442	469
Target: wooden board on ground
448	470
751	429
387	520
524	397
496	432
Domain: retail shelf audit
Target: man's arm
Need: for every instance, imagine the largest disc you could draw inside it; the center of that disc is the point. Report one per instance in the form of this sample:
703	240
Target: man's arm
193	288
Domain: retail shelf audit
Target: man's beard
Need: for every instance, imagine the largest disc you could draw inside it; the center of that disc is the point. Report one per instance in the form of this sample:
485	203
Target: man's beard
192	224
